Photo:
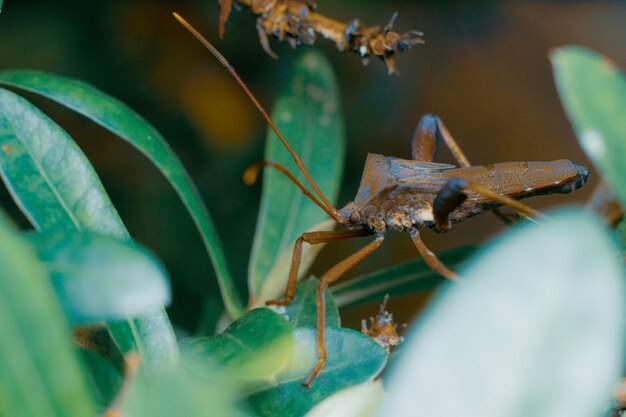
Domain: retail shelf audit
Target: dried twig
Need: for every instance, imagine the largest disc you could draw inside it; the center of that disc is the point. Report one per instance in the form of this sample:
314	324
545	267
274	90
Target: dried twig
382	329
298	23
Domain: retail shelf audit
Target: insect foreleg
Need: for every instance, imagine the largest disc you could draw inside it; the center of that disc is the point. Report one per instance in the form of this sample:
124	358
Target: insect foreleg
312	238
429	257
449	198
329	277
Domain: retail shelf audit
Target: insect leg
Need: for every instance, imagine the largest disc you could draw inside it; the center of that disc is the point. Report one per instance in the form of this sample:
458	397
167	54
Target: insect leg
604	203
448	199
455	149
454	193
446	136
328	278
312	238
504	200
131	367
430	130
429	257
425	143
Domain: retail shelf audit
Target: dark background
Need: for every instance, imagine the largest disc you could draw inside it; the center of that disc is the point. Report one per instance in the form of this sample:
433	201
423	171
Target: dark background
484	70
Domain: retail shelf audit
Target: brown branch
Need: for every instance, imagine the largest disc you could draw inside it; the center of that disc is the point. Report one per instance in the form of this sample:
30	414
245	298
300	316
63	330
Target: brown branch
298	23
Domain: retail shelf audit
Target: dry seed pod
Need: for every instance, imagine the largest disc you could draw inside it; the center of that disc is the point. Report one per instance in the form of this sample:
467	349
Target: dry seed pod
297	22
382	329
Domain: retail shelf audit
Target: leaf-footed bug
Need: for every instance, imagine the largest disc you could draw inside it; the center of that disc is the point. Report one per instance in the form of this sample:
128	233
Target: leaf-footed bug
402	195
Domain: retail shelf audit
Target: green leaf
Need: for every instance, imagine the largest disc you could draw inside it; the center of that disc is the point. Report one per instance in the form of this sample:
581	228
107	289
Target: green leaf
307	113
352	359
402	279
536	328
593	92
358	401
302	312
37	156
274	286
40	374
104	380
56	188
179	393
99	278
253	348
128	125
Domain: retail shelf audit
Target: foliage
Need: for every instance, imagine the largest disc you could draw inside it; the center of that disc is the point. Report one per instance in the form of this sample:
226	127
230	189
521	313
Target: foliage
308	114
545	338
593	91
535	328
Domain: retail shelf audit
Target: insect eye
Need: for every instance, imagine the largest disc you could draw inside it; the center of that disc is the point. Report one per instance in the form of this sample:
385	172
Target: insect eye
354	217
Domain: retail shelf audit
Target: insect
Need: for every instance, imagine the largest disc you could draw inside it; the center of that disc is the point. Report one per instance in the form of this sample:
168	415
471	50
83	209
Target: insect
404	195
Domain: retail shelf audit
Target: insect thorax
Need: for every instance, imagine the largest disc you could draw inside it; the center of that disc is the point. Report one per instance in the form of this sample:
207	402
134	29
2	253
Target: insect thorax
397	211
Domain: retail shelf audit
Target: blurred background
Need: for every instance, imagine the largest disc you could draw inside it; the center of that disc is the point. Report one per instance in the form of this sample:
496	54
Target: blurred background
484	69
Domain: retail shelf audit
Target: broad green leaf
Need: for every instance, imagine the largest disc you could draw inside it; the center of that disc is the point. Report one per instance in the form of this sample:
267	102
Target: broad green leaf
535	329
358	401
118	118
56	188
179	393
593	92
307	113
104	380
253	348
352	359
40	376
36	155
302	312
99	278
402	279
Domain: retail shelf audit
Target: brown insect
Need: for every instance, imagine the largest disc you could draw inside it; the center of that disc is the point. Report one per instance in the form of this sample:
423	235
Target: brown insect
401	194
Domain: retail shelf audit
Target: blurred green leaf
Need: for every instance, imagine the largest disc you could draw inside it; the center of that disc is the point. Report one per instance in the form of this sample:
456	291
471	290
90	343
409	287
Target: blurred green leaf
179	393
118	118
40	374
593	92
99	278
402	279
308	114
358	401
253	348
104	380
302	312
536	328
56	188
352	359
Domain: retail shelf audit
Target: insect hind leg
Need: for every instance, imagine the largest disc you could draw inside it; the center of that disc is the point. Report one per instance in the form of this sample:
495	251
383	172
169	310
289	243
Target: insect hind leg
429	132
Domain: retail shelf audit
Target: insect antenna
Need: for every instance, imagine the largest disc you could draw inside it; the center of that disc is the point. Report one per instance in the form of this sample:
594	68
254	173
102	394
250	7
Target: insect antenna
252	172
329	207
